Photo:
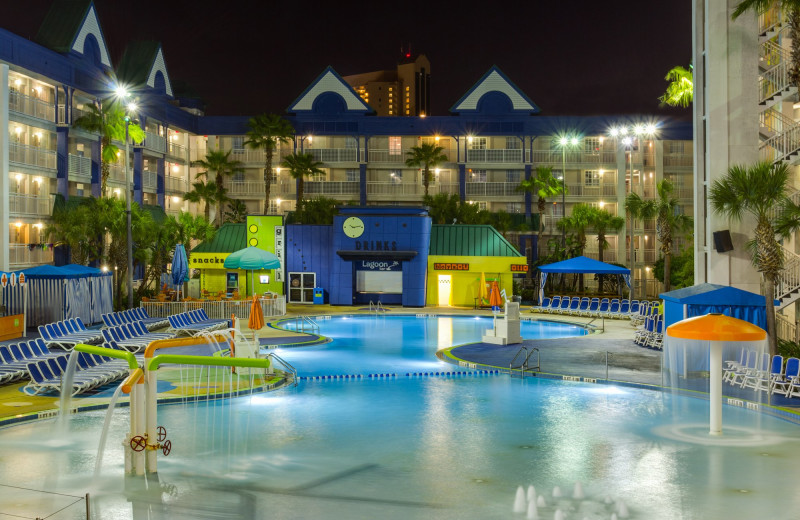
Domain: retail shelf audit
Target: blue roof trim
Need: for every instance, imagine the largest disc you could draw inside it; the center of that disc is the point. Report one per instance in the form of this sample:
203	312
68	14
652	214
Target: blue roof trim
494	80
328	81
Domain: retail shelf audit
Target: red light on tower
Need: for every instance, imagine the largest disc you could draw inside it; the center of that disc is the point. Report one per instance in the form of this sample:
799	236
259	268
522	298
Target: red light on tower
408	55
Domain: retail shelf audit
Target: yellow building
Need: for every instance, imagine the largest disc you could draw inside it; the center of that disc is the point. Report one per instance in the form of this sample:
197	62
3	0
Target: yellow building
461	256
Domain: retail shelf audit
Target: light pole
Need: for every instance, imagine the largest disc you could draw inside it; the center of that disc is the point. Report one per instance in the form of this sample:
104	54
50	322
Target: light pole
565	141
130	109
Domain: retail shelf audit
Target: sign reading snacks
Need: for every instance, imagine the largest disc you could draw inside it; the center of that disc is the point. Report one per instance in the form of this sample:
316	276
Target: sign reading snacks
451	267
206	260
519	268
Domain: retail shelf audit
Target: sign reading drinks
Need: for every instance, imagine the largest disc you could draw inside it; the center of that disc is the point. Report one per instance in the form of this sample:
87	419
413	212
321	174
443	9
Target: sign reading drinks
451	266
379	265
519	268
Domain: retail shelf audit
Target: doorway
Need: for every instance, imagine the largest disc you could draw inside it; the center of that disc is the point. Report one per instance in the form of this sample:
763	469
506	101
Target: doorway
444	290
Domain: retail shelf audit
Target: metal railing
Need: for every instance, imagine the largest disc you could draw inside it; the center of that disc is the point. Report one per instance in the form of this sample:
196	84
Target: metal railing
175	184
788	280
493	189
770	20
377	308
523	367
245	188
301	322
31	155
116	173
330	188
24	254
41	205
31	106
678	159
176	150
780	146
501	155
555	157
149	180
216	309
155	142
786	329
81	167
589	190
773	81
284	365
329	155
377	155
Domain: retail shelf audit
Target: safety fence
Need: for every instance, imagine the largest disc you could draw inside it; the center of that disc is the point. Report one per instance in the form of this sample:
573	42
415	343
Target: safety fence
275	306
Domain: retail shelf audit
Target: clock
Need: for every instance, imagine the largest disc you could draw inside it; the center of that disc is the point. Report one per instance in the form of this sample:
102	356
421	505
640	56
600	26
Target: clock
353	227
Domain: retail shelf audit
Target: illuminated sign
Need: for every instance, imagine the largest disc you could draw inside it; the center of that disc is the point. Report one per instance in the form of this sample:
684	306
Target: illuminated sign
451	267
519	268
207	260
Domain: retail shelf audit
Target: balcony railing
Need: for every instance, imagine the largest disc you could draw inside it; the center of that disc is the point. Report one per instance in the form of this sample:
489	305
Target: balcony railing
387	156
588	190
149	180
249	189
32	156
409	188
683	159
555	157
31	106
24	254
116	173
493	189
76	113
80	168
502	155
39	205
176	150
175	184
331	188
332	155
155	142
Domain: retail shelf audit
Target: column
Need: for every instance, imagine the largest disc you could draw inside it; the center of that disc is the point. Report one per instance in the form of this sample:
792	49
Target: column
138	166
462	182
62	161
528	195
160	191
97	176
362	184
5	239
622	168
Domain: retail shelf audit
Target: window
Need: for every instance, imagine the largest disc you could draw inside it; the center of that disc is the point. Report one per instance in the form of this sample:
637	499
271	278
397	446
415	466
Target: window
395	145
513	176
481	205
477	143
557	175
514	207
591	178
237	144
476	176
238	177
351	175
512	143
591	145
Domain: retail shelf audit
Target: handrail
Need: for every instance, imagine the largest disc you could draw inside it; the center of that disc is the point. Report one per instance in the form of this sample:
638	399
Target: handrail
523	367
376	307
179	342
161	359
285	366
300	321
135	377
109	352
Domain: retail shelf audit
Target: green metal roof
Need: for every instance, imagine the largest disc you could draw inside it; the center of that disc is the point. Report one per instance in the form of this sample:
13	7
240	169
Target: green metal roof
229	238
62	23
137	62
156	212
463	240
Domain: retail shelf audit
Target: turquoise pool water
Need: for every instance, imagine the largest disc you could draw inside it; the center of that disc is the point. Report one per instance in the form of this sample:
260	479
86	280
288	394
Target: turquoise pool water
451	447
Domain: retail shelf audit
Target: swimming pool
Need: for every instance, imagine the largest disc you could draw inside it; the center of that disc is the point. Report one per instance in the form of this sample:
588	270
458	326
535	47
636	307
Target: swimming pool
451	447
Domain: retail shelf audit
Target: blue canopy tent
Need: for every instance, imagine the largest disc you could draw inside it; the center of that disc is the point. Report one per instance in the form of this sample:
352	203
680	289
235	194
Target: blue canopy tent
100	288
706	298
582	264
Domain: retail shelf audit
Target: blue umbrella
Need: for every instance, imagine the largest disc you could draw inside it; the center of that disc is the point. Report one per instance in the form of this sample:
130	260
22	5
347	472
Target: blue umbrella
180	267
252	259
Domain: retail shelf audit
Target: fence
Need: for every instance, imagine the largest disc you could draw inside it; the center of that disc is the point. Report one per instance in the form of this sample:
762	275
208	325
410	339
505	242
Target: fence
217	310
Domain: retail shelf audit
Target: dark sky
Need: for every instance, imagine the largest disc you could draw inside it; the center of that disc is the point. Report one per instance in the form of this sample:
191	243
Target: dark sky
243	57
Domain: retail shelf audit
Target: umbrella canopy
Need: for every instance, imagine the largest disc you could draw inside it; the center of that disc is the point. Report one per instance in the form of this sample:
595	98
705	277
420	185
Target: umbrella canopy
494	297
256	320
252	259
180	266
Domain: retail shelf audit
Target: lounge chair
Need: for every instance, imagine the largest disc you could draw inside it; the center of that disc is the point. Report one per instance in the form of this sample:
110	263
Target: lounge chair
555	302
583	306
738	375
789	383
594	306
543	306
761	370
602	308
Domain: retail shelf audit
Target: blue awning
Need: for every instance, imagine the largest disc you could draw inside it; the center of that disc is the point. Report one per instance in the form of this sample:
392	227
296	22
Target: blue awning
582	264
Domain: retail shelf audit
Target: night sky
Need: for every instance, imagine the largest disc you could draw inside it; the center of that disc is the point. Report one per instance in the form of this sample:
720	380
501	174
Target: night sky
243	58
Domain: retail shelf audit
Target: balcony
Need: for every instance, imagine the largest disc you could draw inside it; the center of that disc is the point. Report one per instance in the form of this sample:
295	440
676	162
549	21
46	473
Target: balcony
29	254
76	114
176	151
175	184
33	205
31	156
682	159
331	188
387	156
116	173
493	189
408	189
500	155
31	106
79	169
609	255
591	191
334	155
246	189
155	142
149	180
556	158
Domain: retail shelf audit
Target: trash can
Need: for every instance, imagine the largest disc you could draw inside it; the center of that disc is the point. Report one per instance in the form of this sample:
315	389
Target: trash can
319	295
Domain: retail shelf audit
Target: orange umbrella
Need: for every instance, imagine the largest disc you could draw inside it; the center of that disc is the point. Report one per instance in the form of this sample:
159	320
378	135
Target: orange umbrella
256	320
494	297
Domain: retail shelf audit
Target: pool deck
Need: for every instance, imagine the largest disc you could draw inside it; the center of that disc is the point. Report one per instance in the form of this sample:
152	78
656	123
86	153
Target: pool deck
608	355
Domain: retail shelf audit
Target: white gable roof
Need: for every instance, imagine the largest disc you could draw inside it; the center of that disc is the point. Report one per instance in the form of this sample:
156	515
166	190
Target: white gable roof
159	65
329	82
92	26
494	82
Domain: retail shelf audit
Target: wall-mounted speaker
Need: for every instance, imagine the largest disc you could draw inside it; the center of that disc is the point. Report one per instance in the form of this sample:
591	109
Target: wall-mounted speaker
722	241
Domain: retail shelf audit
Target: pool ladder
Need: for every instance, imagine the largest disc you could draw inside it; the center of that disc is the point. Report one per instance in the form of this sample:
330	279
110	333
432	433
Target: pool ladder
283	365
301	322
523	367
377	308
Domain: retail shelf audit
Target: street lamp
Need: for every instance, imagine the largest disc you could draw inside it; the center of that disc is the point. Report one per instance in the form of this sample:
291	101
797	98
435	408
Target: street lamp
565	141
130	110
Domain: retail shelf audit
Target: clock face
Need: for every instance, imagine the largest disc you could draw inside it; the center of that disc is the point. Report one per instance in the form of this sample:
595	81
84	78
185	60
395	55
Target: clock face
353	227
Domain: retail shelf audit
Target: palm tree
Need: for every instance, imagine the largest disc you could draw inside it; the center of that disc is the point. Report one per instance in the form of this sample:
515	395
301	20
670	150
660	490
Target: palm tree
443	207
207	193
425	156
108	120
189	227
669	220
578	223
603	222
635	206
266	131
680	91
220	164
300	165
543	185
792	10
237	213
760	191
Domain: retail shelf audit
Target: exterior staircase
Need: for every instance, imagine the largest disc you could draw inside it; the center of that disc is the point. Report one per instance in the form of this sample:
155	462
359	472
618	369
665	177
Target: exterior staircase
780	138
770	23
773	79
787	286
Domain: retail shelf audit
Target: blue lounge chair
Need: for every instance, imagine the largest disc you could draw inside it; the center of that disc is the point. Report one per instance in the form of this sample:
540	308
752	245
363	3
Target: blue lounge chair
789	382
583	306
555	302
594	306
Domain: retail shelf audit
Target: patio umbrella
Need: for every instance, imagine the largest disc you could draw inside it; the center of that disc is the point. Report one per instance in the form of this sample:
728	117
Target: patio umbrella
252	259
180	268
256	321
494	297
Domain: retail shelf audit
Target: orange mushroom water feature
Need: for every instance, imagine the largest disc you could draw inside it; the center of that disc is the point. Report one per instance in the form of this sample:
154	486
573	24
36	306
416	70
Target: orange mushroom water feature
717	330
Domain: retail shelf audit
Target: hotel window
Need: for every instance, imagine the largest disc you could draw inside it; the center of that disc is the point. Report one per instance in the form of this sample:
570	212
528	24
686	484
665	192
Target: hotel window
512	143
591	145
395	145
237	144
351	175
591	178
477	176
238	177
477	143
513	176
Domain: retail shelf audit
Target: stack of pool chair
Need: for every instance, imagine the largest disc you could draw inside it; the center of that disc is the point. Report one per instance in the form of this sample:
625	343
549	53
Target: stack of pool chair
91	371
134	336
737	370
16	356
68	333
788	383
115	319
650	333
195	321
765	377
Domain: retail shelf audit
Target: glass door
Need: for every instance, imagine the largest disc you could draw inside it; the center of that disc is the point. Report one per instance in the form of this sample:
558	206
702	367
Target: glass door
301	287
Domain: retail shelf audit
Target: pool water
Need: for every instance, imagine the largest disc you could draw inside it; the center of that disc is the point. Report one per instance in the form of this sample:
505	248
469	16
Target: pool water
451	447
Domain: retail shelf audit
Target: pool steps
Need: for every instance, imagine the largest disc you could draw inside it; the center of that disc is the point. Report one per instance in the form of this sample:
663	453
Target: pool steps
408	374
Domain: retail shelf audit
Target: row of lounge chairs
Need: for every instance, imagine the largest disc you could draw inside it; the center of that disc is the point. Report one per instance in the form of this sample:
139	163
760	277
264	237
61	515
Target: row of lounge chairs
762	373
195	321
91	371
134	337
68	333
590	307
646	308
116	319
651	333
16	356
